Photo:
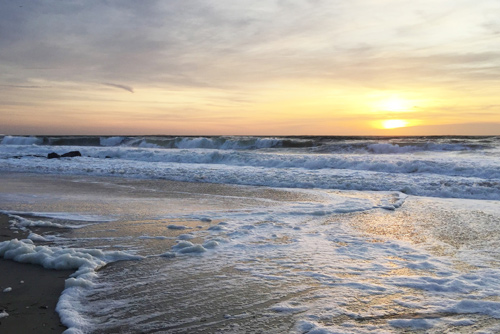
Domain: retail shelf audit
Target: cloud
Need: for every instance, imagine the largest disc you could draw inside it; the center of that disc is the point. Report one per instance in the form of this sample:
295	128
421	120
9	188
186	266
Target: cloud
23	86
127	88
240	55
227	44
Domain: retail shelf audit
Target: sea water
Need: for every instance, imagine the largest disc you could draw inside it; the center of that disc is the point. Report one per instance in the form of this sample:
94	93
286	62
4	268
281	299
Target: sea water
261	234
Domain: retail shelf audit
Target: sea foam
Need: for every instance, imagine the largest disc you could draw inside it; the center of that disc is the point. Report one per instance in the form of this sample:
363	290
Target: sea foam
85	261
471	173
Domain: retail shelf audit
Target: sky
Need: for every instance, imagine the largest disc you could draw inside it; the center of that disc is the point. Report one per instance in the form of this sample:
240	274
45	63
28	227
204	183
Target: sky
274	67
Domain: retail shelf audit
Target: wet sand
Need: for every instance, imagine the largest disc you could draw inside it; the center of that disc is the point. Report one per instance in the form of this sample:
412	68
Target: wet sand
240	302
31	304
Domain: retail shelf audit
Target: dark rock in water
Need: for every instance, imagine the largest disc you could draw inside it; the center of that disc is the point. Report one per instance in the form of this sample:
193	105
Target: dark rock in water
71	154
53	155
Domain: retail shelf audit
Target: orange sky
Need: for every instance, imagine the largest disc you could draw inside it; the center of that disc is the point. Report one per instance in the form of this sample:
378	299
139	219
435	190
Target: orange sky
265	68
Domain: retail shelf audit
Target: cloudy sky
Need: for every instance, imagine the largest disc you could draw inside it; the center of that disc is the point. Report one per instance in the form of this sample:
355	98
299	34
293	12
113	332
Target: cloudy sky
274	67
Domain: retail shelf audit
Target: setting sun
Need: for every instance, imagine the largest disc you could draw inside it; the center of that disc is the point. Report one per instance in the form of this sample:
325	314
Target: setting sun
394	123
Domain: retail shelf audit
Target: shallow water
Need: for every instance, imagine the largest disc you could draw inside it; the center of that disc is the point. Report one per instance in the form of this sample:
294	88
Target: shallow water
241	259
269	234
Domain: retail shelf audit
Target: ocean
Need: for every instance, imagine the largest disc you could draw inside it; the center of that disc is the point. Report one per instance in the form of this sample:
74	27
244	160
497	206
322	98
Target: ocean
234	234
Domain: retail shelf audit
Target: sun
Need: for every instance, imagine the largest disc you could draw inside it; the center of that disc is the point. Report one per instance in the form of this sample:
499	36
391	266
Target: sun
394	123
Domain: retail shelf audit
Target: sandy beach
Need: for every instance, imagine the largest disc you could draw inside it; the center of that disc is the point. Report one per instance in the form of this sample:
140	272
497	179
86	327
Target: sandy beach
35	291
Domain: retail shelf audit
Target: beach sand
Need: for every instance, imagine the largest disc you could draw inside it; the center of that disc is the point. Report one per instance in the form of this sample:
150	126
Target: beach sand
30	305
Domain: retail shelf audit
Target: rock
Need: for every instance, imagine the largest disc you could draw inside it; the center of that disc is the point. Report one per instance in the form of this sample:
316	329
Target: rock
71	154
53	155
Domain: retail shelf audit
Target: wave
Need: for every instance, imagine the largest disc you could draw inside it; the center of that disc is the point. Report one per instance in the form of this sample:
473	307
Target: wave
396	148
465	164
350	145
461	165
403	147
167	142
440	180
19	140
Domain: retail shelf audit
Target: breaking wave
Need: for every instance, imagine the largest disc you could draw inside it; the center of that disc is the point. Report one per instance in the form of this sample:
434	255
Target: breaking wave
361	145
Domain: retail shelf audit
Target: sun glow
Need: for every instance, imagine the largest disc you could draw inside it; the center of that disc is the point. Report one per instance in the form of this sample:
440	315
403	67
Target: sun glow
393	103
394	123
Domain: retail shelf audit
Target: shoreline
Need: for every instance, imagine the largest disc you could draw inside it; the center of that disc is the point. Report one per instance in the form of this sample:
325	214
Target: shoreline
280	264
31	304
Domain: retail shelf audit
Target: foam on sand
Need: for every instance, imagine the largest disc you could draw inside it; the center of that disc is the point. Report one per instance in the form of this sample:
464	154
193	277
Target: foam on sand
85	261
186	247
176	227
24	223
72	216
